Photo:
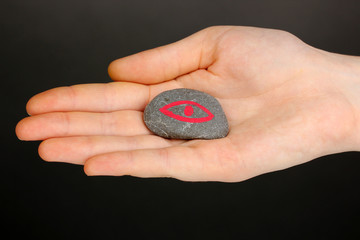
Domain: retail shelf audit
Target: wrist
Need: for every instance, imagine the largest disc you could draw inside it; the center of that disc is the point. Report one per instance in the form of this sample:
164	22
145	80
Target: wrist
345	74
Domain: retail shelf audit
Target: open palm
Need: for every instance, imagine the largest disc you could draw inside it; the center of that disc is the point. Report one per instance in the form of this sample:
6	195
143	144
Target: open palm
281	110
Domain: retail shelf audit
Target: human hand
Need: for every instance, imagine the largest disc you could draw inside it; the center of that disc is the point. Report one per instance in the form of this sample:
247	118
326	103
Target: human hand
286	103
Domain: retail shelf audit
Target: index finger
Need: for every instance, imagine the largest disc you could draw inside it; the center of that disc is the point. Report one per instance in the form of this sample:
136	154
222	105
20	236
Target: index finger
94	97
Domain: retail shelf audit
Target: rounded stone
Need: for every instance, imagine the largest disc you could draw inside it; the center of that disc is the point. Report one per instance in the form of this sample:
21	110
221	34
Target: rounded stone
186	114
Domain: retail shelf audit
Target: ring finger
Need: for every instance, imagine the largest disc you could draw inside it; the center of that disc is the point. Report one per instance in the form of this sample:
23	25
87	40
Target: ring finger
78	149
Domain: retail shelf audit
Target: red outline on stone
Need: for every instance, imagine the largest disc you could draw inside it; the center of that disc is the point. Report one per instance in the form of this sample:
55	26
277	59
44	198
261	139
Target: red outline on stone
168	113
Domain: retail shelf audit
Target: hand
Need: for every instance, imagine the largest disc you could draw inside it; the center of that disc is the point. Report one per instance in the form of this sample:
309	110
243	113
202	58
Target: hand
286	103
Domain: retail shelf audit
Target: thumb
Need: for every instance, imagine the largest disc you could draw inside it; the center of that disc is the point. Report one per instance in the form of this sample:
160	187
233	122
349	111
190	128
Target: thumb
166	62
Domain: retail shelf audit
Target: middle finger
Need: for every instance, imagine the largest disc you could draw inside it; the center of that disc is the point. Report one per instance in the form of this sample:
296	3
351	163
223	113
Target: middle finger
63	124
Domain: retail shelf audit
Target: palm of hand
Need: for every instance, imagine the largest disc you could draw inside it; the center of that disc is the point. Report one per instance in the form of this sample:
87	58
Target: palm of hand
262	78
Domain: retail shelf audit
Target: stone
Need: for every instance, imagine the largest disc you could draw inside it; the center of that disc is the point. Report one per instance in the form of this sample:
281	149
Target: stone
186	114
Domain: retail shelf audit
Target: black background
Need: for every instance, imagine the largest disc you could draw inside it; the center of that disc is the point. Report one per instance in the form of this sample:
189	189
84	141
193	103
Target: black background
47	43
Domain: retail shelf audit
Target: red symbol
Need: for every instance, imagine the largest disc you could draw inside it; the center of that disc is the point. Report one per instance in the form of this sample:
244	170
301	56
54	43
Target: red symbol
188	111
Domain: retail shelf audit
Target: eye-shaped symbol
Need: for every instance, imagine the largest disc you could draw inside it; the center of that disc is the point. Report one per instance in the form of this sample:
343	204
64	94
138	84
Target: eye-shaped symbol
188	111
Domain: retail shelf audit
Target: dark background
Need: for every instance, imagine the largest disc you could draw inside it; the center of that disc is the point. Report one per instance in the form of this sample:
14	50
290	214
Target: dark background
47	43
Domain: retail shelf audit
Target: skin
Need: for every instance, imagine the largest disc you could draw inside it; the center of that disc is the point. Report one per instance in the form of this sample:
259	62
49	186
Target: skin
286	102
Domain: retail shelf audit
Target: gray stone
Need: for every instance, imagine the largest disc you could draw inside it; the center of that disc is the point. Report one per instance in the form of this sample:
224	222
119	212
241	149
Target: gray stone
186	114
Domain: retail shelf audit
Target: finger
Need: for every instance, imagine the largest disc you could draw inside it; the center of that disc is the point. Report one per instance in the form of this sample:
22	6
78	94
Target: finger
181	162
163	162
170	61
60	124
106	97
77	149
